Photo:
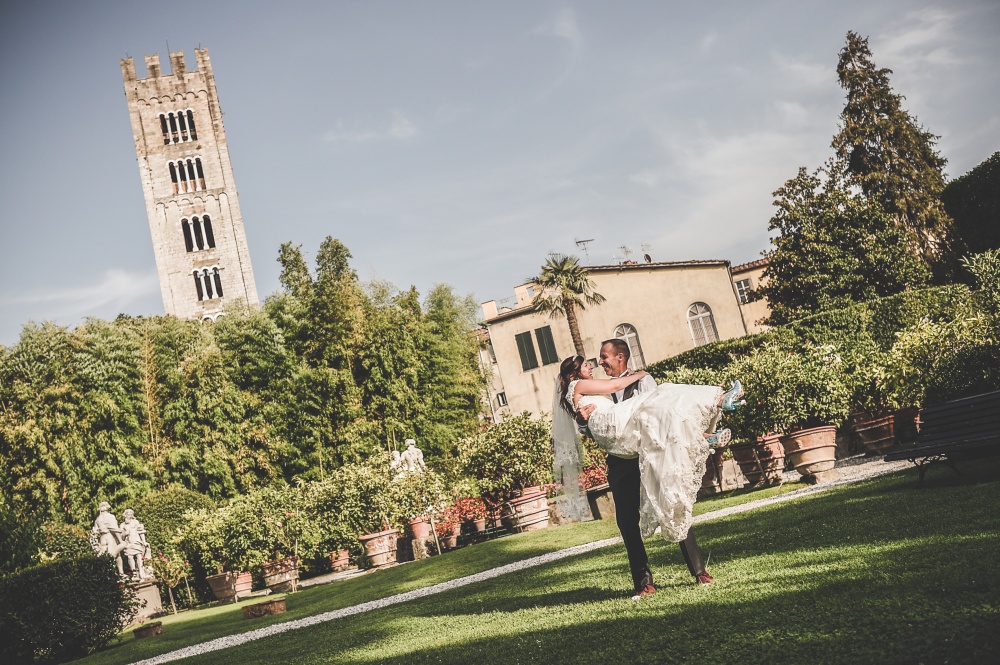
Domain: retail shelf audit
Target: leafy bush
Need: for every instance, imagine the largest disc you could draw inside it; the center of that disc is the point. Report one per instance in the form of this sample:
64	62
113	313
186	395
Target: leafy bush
163	513
934	362
63	609
509	456
59	540
789	390
18	540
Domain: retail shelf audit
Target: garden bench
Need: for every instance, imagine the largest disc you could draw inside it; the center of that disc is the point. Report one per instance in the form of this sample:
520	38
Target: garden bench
959	428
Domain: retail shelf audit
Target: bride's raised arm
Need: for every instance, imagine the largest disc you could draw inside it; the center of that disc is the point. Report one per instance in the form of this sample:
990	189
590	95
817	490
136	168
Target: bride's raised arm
606	386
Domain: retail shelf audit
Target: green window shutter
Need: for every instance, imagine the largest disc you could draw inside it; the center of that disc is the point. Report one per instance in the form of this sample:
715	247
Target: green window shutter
526	349
546	346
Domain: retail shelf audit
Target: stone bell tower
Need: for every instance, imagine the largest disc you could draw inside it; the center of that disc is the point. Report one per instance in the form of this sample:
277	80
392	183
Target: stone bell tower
187	180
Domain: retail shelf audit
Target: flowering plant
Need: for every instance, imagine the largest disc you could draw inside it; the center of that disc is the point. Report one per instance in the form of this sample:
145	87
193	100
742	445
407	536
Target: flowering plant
448	521
594	475
471	508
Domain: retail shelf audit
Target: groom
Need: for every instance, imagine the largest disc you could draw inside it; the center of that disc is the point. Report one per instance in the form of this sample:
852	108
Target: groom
623	477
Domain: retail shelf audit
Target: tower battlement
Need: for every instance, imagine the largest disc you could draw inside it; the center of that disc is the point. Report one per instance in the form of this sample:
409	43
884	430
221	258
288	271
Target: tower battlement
192	205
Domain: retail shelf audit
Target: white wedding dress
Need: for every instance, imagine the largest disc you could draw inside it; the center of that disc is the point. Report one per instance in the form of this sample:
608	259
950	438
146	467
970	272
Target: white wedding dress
665	427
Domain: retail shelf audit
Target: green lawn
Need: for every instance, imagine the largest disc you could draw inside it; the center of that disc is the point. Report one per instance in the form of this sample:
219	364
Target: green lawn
881	571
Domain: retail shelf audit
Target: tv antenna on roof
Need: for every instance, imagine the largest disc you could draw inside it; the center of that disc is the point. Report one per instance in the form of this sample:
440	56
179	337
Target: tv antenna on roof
626	252
582	244
646	248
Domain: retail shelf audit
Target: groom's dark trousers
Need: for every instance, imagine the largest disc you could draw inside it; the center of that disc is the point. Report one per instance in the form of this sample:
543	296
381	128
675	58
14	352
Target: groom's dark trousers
624	482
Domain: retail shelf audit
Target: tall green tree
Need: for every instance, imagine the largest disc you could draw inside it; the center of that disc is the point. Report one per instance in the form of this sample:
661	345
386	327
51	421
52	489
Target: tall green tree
833	247
973	201
450	381
889	155
565	287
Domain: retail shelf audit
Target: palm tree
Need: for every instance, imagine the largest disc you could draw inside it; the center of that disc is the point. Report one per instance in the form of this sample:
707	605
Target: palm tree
565	285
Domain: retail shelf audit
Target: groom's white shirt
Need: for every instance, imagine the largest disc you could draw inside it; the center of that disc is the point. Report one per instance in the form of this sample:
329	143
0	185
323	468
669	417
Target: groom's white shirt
646	384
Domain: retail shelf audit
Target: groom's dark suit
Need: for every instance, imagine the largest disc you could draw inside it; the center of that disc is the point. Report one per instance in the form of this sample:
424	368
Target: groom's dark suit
624	480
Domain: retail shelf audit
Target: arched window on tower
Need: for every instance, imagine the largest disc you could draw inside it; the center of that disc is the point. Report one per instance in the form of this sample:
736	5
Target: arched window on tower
186	228
628	333
702	324
199	238
163	128
178	127
190	117
206	223
173	178
201	173
218	282
197	285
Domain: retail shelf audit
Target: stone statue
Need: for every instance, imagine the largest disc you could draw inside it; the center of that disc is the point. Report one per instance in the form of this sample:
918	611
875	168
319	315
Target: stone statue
107	534
114	540
133	535
412	458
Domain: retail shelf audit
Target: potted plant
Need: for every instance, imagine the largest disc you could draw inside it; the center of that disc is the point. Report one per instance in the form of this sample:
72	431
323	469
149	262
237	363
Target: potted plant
449	526
808	405
756	447
472	510
202	537
325	528
510	461
371	503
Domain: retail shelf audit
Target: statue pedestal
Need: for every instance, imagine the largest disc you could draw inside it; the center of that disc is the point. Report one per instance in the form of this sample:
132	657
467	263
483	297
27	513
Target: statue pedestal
148	594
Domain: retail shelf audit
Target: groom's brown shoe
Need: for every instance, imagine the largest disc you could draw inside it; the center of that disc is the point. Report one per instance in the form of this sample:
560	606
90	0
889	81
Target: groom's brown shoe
647	590
704	578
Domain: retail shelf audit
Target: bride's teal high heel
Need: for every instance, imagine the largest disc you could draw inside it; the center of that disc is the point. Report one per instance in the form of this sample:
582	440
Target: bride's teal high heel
720	438
731	398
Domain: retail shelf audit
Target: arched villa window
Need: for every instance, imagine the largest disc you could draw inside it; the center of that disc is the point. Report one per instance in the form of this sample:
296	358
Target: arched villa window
628	333
702	324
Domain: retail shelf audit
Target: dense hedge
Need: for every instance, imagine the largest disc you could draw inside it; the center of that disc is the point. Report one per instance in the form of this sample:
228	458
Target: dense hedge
62	610
58	540
876	322
163	512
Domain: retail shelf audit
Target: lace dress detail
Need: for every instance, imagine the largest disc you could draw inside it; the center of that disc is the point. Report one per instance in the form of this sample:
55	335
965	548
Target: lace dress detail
665	427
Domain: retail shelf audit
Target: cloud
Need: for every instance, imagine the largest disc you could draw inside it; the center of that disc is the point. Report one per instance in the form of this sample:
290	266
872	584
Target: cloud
401	129
804	72
924	40
117	287
792	113
563	26
708	41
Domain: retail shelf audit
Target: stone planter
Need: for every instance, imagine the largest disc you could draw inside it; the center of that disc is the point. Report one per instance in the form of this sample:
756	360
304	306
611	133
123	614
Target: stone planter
420	527
876	433
527	512
268	607
148	630
243	584
282	575
380	548
762	461
339	560
224	585
812	451
602	502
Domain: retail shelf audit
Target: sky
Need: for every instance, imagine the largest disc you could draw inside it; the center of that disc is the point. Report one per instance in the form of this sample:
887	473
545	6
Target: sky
457	142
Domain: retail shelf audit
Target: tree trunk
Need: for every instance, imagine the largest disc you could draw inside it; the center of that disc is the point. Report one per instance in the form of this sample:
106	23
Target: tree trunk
574	327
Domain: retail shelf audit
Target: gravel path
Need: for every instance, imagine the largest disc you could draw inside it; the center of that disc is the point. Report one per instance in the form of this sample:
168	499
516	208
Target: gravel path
851	472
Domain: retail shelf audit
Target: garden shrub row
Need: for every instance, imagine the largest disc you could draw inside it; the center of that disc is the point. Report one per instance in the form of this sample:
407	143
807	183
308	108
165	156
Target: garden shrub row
877	321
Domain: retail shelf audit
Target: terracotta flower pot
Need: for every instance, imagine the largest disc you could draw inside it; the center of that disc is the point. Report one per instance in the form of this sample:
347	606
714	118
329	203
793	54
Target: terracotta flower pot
380	548
229	586
478	526
812	450
281	575
339	560
761	461
420	527
877	433
528	512
449	542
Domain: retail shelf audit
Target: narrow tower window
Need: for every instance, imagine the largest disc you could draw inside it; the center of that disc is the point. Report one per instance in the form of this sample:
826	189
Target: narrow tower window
197	285
163	128
173	178
173	128
206	222
186	228
201	173
194	134
218	282
199	239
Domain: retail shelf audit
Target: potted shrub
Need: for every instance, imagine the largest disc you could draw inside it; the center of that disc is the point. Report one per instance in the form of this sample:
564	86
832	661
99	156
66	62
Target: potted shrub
371	502
326	532
472	510
510	461
756	447
449	526
202	537
809	404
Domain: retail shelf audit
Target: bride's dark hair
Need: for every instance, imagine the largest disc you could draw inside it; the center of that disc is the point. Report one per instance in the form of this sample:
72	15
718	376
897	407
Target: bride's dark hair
569	371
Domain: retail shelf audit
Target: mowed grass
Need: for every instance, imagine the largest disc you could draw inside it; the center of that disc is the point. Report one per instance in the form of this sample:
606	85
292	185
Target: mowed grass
882	571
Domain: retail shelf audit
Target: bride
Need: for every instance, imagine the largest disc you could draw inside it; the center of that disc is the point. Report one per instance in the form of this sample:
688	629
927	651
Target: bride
668	428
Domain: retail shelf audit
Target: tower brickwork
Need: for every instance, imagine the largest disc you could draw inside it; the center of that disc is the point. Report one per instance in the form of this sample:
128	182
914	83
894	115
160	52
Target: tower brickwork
187	180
